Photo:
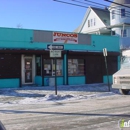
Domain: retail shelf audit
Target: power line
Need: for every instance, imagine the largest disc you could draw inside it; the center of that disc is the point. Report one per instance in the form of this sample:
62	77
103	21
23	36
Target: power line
117	3
86	3
70	3
105	5
96	3
117	13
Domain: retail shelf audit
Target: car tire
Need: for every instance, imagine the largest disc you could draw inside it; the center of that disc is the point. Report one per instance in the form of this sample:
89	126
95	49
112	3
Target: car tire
124	92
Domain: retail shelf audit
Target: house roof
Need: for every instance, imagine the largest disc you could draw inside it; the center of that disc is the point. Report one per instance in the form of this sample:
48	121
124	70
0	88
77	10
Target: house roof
120	2
103	14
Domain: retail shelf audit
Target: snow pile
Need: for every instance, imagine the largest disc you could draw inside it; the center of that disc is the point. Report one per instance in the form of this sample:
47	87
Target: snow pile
58	97
36	95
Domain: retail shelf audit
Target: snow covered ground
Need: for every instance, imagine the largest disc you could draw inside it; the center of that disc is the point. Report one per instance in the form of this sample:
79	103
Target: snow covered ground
40	94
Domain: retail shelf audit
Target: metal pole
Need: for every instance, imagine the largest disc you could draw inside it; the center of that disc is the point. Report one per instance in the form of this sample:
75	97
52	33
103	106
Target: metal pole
55	79
107	73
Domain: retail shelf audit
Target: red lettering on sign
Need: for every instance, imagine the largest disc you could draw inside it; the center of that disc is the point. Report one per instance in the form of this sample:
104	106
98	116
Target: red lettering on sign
65	35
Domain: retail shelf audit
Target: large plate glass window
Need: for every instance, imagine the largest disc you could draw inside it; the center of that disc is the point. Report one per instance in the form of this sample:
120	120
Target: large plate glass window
49	67
76	67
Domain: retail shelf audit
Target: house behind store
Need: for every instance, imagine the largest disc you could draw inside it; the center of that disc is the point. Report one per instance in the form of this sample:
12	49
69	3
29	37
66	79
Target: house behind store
114	21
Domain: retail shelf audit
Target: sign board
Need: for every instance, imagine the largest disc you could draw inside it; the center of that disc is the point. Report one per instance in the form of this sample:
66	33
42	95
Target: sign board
55	47
104	51
60	37
55	53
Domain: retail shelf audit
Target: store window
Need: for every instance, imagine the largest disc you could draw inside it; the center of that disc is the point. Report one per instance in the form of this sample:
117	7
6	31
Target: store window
76	67
38	65
49	67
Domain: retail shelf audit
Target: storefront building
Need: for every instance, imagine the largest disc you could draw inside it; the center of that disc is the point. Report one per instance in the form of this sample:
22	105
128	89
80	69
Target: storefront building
25	57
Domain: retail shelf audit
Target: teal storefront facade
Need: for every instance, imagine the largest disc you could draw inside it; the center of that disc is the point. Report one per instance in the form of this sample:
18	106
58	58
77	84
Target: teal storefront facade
25	59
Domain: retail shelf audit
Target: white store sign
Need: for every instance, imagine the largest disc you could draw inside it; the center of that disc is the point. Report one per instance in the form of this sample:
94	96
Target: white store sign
55	53
59	37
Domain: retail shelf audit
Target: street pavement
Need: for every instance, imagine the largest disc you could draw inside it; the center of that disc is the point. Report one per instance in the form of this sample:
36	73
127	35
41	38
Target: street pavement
85	114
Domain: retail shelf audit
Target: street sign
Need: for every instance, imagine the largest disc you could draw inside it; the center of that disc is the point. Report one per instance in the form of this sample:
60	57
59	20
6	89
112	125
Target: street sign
55	47
104	51
55	53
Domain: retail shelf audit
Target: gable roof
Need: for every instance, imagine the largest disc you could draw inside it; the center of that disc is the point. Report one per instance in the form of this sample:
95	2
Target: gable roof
103	14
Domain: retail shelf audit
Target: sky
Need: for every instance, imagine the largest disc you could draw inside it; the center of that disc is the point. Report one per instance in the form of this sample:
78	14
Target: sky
43	14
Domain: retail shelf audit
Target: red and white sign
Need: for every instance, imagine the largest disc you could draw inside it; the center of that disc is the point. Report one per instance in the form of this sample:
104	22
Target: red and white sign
59	37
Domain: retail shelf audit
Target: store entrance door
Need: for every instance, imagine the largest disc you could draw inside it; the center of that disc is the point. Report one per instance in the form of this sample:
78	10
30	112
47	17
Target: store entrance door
28	70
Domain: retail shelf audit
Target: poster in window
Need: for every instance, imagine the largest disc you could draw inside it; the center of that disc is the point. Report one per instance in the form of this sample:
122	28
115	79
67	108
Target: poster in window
49	67
45	67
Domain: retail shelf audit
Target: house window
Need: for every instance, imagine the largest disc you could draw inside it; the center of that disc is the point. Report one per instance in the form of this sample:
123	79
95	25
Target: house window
76	67
91	22
124	33
94	22
105	21
38	65
122	13
113	33
88	23
113	14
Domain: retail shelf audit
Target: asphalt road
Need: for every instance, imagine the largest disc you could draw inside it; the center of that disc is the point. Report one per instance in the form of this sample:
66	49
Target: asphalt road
92	114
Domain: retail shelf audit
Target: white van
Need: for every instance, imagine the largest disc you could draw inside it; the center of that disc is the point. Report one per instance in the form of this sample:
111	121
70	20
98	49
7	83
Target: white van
121	79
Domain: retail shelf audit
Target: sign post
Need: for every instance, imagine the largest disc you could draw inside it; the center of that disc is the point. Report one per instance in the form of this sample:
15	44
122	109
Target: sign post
55	51
55	78
105	55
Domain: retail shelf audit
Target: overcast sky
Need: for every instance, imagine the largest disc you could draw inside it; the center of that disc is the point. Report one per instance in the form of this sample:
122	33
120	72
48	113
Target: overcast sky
43	14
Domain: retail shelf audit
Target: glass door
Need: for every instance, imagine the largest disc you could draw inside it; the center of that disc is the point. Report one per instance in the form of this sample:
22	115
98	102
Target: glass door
28	70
